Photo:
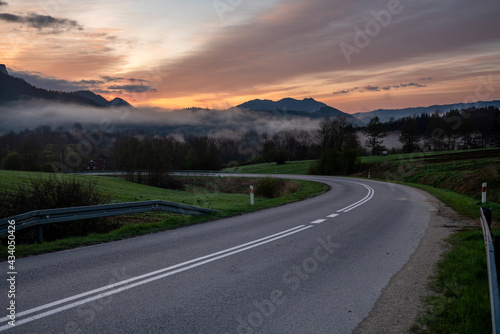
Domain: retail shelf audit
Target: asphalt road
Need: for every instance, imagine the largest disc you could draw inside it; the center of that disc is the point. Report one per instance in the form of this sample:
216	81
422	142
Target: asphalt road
316	266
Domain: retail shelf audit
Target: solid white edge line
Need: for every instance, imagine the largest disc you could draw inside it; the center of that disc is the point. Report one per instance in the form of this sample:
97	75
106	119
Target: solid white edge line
108	293
110	286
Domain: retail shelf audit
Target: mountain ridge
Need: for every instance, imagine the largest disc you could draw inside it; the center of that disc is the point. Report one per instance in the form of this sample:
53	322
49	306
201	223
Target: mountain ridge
16	89
385	115
307	107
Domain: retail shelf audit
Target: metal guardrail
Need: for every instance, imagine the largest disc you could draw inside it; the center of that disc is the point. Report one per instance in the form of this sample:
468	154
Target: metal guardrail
492	269
50	216
199	172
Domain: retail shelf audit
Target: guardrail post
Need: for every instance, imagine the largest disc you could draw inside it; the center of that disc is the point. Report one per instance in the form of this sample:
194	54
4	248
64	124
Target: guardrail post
483	192
39	234
487	215
496	245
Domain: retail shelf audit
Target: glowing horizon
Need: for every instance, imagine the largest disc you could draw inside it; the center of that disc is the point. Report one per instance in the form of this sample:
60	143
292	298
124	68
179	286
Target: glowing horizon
357	56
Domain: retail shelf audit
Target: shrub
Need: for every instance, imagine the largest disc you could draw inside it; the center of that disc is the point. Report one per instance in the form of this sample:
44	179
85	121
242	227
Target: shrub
51	193
334	162
47	168
12	162
267	187
272	187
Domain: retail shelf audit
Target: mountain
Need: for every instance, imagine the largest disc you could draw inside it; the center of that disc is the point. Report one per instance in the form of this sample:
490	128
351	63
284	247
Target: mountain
286	104
307	107
386	114
3	69
116	102
16	89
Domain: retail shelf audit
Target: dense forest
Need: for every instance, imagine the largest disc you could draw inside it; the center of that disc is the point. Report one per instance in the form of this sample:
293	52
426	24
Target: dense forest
79	148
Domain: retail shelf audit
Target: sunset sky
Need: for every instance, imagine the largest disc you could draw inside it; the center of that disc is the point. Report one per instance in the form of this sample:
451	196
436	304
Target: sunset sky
352	55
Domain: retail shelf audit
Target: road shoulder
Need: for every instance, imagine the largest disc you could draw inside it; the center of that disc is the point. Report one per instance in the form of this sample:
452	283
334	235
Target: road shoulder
401	301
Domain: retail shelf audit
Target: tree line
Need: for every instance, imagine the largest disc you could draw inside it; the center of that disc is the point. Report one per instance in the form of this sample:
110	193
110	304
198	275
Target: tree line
334	144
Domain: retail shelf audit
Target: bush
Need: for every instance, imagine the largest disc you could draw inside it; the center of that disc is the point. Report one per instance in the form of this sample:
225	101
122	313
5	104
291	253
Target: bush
47	168
281	156
267	187
51	193
334	162
272	187
12	162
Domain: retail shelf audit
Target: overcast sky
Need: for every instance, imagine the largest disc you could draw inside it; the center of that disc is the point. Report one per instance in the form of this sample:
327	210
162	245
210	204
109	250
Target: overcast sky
352	55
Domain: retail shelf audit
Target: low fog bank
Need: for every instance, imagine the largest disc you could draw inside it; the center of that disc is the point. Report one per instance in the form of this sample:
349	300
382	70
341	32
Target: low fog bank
390	141
229	123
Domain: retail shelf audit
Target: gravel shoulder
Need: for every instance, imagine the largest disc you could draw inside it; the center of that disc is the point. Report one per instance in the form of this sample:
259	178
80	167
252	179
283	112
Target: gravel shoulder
401	301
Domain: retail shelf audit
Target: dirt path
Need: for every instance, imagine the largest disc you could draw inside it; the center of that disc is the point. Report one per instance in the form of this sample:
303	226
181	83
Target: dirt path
400	303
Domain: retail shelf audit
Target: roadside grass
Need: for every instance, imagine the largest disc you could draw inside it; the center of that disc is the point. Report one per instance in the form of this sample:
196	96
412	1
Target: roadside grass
144	223
460	300
415	156
460	303
464	205
290	167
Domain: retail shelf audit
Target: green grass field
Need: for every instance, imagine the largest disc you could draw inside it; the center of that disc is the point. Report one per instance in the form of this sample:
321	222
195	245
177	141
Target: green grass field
291	167
131	225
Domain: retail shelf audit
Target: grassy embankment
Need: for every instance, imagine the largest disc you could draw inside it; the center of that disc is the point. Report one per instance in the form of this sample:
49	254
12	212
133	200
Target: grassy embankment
461	302
228	204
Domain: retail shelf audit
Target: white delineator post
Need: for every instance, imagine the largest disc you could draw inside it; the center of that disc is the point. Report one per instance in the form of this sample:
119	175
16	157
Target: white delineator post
251	196
483	197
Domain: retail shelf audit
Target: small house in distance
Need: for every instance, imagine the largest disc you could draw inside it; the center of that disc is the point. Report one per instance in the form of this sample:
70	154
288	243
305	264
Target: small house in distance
96	165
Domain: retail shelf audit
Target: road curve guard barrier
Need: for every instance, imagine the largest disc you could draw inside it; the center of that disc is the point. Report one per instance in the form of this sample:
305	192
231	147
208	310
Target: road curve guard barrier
492	268
50	216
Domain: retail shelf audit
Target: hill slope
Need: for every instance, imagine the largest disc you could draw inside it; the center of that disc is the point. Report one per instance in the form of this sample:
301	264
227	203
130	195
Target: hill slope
16	89
386	114
307	107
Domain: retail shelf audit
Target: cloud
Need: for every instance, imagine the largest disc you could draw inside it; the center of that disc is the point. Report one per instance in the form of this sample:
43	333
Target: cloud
17	116
42	22
91	83
346	91
285	44
47	82
3	3
98	86
133	88
372	88
137	80
111	79
411	84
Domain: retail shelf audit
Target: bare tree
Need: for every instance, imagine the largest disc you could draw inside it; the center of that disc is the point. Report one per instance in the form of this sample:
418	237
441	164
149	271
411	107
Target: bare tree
375	134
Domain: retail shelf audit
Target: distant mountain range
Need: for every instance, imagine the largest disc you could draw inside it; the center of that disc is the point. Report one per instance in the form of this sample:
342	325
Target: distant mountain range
308	107
116	102
16	89
385	115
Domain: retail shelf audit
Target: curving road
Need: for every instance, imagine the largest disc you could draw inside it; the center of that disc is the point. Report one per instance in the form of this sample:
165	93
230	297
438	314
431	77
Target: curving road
316	266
